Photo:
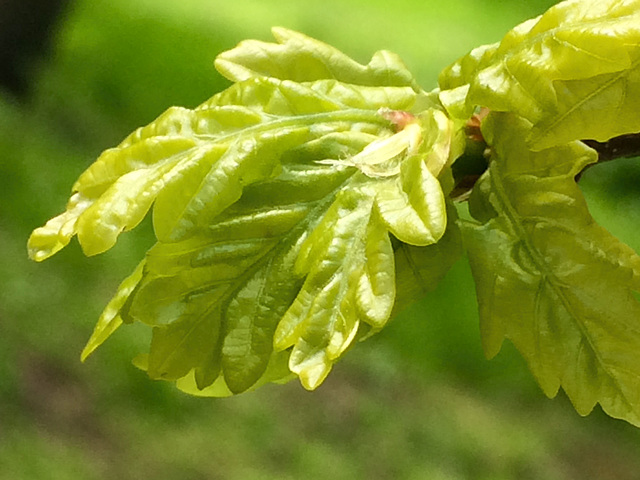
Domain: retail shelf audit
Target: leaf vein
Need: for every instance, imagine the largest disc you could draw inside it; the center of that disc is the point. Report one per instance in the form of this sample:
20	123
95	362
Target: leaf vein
546	272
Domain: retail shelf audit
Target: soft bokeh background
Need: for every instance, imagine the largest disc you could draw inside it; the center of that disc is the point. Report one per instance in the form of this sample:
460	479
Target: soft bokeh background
418	402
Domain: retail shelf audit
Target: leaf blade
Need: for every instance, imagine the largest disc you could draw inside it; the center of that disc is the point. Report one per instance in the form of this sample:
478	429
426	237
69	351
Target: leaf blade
557	290
303	59
267	198
573	72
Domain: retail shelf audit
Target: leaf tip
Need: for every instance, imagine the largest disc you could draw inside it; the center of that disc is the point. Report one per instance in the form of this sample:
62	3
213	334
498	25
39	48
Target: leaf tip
89	348
313	376
45	242
282	33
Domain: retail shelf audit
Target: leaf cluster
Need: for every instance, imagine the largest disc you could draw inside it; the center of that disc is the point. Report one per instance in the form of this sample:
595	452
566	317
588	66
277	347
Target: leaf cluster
298	210
548	278
274	206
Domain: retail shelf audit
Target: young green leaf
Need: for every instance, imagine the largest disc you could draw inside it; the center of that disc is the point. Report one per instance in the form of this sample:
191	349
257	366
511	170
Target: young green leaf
273	205
110	320
464	70
213	146
304	257
549	279
300	58
573	72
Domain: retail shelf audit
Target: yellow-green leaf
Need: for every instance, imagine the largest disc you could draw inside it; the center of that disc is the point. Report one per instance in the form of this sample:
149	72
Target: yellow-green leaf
549	279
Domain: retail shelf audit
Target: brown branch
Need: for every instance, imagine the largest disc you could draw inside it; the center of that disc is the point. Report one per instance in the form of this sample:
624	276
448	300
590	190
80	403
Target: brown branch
624	146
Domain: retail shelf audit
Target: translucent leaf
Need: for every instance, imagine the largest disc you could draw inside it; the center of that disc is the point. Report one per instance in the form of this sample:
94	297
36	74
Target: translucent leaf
57	233
110	319
574	72
300	58
243	262
273	205
283	97
375	291
580	112
412	207
549	279
211	186
122	207
463	71
208	146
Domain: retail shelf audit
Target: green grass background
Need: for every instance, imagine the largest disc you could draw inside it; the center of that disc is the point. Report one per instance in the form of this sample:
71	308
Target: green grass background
419	401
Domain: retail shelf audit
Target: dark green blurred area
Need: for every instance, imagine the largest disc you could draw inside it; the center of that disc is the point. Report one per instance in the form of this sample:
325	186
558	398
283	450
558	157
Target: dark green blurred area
419	401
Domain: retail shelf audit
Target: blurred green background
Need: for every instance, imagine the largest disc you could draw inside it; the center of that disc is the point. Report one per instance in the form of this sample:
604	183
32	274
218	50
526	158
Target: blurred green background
419	401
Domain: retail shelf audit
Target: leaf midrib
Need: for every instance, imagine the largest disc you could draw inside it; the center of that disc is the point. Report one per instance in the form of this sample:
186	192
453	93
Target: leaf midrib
547	274
539	37
616	76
